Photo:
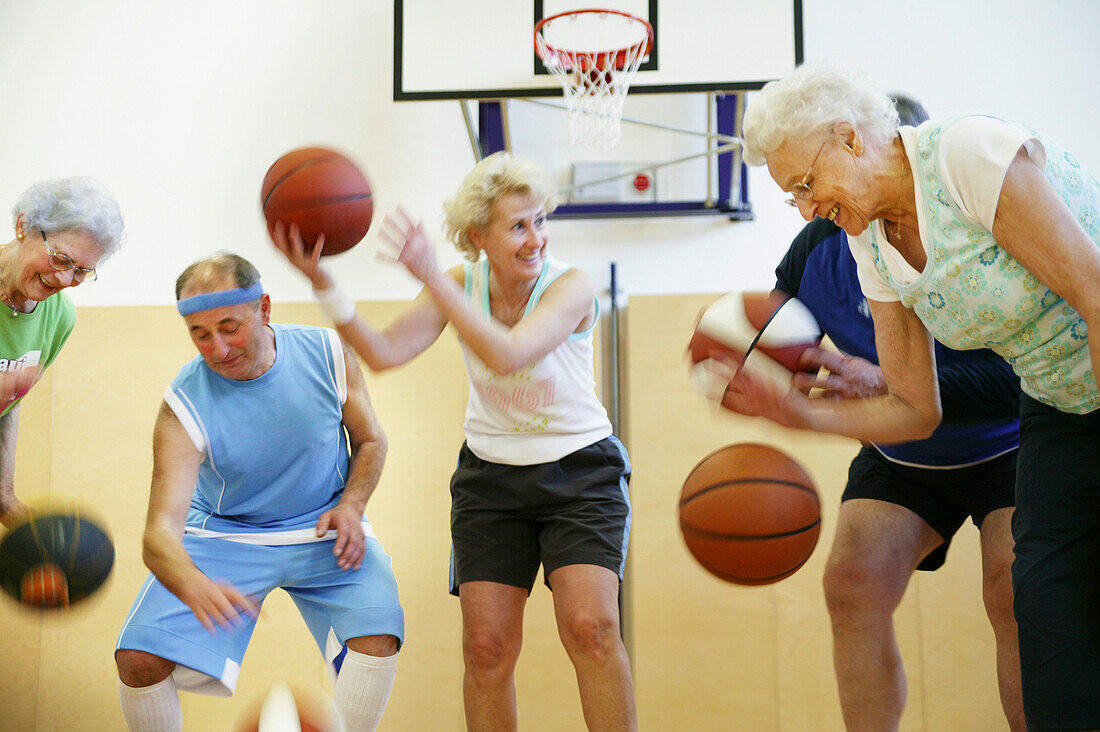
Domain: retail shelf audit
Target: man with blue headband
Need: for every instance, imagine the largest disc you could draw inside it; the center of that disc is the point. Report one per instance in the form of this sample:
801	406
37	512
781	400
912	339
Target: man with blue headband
265	451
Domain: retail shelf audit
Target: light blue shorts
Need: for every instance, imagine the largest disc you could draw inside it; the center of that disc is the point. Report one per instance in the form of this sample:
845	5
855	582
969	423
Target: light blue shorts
337	604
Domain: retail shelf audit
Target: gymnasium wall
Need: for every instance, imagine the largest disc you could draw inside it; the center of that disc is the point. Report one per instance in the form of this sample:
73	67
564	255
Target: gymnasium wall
707	656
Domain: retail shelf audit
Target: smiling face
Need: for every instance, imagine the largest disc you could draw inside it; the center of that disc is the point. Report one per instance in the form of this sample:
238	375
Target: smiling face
835	180
515	238
34	278
233	340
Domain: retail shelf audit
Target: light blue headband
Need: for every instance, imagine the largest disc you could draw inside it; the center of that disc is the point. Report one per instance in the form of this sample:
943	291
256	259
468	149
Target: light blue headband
219	299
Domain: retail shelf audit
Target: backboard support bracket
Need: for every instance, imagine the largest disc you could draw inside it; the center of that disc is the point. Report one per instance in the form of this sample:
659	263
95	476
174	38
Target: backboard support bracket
730	200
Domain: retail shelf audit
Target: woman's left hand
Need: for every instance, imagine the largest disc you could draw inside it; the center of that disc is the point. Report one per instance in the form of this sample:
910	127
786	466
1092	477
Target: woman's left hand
759	397
410	246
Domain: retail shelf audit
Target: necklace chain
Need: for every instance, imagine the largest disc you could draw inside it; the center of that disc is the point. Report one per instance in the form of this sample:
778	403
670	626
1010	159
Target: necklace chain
4	292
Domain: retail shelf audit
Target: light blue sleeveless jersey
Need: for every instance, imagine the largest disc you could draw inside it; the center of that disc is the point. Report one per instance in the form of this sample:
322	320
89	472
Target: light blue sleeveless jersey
974	294
275	450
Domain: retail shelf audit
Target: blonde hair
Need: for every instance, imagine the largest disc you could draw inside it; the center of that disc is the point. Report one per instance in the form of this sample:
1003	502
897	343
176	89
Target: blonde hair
495	176
811	100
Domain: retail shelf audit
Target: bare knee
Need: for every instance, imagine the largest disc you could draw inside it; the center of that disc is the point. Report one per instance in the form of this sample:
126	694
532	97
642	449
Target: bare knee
138	668
857	588
594	635
489	653
374	645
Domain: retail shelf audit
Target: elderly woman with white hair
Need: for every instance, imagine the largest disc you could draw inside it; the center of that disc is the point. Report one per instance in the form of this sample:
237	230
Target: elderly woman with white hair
541	480
64	229
979	233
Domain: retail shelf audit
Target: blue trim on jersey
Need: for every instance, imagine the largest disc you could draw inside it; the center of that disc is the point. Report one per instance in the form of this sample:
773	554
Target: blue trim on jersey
830	288
276	454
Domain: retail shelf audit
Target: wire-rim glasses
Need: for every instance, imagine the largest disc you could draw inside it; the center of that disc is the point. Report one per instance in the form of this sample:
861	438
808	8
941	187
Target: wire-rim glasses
62	263
802	191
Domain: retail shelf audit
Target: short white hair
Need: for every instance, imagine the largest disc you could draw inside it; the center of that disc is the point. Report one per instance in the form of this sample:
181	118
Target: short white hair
73	204
811	100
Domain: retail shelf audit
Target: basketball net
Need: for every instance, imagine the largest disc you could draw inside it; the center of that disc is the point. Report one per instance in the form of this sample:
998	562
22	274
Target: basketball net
594	54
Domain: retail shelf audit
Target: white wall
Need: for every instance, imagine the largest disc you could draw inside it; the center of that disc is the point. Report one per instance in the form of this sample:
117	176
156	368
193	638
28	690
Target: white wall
180	107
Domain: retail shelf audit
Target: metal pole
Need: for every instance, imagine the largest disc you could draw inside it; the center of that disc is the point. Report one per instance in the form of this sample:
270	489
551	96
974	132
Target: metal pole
613	356
474	144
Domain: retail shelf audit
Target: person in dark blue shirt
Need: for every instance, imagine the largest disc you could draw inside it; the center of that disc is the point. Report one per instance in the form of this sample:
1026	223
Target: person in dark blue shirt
904	502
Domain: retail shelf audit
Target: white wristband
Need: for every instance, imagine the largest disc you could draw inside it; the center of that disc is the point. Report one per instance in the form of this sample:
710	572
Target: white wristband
335	304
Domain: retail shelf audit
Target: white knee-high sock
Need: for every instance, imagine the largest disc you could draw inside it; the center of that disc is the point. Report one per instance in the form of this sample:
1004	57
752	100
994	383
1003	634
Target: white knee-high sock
153	708
363	688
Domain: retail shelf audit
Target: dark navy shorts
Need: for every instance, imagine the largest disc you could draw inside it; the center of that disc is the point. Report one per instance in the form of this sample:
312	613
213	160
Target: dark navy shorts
506	520
942	497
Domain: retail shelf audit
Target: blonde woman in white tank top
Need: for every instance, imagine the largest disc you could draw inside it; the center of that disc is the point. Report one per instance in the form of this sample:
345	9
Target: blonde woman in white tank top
541	479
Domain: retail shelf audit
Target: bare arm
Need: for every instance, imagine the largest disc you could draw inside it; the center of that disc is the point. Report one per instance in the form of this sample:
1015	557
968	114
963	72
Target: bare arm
368	453
13	385
12	509
565	304
1035	226
910	410
407	337
175	470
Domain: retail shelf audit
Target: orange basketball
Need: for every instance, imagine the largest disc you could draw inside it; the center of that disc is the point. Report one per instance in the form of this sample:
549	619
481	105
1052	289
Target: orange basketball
321	191
750	514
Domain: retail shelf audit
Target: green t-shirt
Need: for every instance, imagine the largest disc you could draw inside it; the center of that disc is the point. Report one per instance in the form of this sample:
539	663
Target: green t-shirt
34	339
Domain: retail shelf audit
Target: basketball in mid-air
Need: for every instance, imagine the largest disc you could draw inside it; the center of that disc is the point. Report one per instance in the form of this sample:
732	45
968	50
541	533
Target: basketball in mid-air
750	514
320	191
763	333
55	557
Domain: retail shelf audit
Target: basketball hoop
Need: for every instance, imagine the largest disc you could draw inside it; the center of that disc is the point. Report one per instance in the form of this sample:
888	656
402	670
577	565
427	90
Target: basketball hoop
594	54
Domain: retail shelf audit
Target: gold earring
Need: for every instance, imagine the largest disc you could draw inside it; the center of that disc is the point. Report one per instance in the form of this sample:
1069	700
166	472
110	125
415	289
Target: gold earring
19	236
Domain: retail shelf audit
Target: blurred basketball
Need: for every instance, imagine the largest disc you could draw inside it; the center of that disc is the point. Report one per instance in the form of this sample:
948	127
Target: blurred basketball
55	557
321	191
750	514
763	333
284	709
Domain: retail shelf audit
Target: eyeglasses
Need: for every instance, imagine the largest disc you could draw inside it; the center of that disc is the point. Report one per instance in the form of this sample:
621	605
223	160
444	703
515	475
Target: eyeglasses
62	263
801	190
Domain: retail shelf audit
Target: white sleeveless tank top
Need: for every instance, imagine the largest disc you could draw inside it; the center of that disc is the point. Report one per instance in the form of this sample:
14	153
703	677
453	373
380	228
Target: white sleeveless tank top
541	412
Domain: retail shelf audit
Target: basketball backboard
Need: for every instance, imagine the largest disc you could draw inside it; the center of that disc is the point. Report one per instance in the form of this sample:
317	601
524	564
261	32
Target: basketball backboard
484	49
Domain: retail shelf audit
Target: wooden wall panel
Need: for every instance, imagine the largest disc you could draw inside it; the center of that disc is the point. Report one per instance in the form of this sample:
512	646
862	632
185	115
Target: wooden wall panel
707	655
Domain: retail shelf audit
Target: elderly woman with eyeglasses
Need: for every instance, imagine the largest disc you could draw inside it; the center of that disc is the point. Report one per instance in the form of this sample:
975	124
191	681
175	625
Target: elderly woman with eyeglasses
64	229
979	233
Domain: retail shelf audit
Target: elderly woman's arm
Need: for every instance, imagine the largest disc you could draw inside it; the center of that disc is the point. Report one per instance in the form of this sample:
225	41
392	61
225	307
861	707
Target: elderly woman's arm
11	508
909	411
1035	226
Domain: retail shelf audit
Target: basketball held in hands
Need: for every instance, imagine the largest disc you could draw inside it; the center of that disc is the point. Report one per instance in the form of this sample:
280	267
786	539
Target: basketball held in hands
763	333
320	191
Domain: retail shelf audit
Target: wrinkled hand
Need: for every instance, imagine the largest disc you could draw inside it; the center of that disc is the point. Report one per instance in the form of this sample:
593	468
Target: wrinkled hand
15	384
408	244
849	377
216	604
350	542
758	396
306	261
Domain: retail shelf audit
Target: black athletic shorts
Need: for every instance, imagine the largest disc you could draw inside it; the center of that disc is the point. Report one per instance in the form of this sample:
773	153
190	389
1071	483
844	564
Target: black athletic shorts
1056	575
942	497
506	520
